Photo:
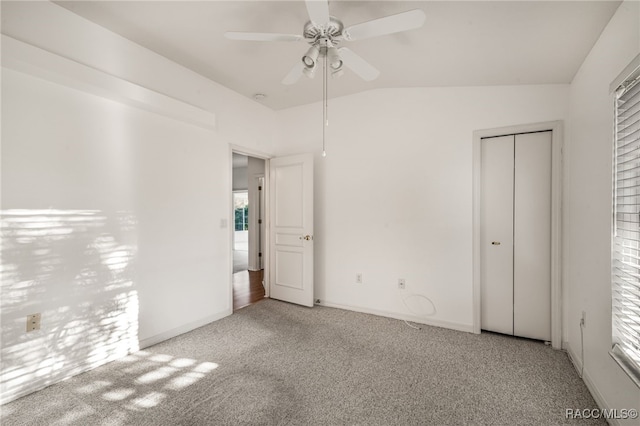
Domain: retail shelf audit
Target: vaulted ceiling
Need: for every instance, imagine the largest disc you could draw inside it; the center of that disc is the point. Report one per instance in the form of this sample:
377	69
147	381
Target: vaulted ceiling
462	43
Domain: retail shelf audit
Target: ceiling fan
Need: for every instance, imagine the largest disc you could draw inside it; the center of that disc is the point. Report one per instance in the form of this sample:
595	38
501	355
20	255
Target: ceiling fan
325	32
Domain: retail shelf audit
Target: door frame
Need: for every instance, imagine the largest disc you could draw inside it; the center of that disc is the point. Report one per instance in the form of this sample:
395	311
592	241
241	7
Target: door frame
556	128
267	220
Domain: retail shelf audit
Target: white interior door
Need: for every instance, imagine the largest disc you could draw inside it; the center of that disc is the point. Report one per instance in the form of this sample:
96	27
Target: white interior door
496	235
532	236
291	229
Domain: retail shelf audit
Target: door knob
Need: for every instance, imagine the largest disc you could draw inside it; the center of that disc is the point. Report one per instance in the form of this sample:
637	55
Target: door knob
496	243
307	238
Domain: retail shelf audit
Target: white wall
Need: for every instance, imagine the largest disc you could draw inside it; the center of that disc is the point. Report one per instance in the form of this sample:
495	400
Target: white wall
111	214
587	207
393	197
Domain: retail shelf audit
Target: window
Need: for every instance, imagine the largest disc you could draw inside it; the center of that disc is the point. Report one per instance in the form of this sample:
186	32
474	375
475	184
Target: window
625	291
241	210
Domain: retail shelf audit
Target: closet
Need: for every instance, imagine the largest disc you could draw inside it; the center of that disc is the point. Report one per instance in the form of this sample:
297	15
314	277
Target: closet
515	235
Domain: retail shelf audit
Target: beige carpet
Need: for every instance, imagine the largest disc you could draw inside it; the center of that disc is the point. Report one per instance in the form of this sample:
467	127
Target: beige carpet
278	364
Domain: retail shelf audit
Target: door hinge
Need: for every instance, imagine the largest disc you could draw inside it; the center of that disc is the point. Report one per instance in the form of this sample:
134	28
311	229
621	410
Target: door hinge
259	221
259	188
259	254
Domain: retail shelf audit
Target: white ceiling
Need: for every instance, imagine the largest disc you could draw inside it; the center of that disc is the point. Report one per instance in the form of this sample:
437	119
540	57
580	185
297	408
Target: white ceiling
461	44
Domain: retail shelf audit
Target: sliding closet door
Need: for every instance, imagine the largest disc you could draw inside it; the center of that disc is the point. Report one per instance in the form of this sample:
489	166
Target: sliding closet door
532	236
496	234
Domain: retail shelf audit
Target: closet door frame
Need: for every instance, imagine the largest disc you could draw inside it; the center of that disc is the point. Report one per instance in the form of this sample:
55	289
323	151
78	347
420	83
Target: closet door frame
556	128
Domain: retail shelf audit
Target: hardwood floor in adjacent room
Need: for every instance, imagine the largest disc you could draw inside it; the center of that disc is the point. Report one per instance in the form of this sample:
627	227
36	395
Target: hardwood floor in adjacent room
247	288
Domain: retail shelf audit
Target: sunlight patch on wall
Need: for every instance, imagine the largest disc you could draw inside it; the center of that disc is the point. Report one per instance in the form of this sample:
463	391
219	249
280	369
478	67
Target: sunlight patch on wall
77	269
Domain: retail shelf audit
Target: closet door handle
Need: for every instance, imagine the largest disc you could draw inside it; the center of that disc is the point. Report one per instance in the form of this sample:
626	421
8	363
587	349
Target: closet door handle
496	243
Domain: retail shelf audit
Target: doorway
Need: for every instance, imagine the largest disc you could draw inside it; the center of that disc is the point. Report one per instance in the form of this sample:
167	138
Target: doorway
248	247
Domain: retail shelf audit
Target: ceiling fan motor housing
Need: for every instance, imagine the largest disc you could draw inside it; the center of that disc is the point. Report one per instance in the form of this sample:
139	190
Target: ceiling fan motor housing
332	33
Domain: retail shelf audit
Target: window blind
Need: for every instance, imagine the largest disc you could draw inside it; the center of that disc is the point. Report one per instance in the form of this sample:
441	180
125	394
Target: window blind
625	291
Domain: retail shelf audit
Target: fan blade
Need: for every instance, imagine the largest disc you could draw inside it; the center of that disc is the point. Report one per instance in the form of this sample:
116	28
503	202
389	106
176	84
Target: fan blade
261	36
294	74
318	11
388	25
358	65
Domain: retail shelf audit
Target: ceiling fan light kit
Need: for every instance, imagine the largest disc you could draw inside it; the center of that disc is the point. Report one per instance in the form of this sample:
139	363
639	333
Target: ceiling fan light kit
324	32
334	58
310	58
309	71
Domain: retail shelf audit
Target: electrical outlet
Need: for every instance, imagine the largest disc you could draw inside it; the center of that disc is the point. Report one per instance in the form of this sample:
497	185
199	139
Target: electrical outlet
583	320
359	278
401	283
33	322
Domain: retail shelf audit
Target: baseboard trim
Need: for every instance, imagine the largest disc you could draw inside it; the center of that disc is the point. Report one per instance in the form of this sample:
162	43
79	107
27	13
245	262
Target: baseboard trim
161	337
436	323
586	378
577	363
